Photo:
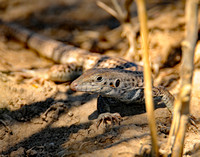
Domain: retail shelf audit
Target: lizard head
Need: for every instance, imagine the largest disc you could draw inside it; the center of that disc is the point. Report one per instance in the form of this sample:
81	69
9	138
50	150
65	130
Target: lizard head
107	82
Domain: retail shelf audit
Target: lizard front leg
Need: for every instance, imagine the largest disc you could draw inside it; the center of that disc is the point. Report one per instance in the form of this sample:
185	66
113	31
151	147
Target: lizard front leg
103	108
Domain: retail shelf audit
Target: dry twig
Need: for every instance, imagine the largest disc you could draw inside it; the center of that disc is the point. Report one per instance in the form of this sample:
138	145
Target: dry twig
147	75
123	16
181	112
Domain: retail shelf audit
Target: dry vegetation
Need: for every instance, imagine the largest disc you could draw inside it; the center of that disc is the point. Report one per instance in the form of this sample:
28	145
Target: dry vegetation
68	129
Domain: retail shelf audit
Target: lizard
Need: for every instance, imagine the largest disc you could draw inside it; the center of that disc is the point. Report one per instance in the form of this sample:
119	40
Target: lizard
118	87
75	61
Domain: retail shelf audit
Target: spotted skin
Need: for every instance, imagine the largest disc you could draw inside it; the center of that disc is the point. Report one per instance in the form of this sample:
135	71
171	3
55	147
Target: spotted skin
64	72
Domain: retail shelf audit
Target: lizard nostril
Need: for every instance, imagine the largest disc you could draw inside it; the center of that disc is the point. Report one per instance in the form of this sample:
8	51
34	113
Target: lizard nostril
73	86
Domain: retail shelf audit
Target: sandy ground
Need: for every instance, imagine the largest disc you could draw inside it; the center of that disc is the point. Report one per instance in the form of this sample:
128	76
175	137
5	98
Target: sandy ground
51	120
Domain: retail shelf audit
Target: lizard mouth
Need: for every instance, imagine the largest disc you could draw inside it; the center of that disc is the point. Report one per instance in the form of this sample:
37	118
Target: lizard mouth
85	88
73	86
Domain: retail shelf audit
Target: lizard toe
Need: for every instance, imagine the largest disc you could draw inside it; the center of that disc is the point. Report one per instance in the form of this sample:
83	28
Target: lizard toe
105	117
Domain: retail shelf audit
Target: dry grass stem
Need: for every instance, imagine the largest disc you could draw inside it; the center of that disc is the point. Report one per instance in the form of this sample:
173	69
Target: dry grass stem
181	112
108	9
118	8
147	75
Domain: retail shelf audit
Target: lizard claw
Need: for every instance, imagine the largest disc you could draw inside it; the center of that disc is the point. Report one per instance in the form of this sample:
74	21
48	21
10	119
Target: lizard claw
104	117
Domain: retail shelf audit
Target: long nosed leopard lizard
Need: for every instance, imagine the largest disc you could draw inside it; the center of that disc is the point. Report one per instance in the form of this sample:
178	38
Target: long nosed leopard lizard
123	79
118	87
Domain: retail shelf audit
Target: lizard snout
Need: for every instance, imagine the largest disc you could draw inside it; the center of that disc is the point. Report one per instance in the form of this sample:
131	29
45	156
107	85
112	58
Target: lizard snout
73	86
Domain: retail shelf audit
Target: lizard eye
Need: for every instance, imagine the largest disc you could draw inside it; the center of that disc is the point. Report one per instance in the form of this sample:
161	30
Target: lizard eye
117	83
99	78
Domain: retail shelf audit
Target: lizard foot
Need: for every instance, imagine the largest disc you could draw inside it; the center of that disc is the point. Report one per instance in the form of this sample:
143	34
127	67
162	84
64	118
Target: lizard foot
104	117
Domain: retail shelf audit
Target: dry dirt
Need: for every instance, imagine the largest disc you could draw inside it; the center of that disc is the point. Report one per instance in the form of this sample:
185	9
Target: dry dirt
49	119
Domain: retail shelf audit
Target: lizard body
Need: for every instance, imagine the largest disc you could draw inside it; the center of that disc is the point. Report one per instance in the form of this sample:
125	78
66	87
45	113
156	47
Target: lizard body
118	87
